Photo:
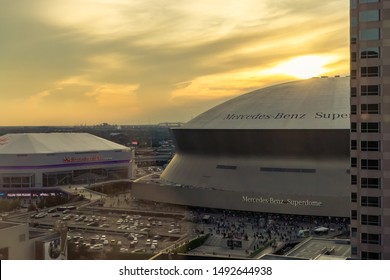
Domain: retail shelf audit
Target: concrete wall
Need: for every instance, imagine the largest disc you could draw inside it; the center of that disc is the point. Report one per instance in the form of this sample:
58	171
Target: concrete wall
257	202
16	238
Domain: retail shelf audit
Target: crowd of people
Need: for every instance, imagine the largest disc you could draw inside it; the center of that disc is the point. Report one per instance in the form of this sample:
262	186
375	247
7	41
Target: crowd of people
266	228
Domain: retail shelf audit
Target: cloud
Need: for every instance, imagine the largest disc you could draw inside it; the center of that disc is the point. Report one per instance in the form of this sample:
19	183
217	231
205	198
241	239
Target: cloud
162	60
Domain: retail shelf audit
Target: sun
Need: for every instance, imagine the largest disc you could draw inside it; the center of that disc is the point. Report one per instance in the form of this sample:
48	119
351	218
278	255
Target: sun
303	67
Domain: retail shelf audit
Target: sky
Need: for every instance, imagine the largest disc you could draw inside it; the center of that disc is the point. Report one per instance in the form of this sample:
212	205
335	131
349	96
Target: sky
86	62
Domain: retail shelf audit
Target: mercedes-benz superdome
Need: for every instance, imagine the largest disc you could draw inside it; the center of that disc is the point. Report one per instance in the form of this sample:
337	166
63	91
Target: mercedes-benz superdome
280	149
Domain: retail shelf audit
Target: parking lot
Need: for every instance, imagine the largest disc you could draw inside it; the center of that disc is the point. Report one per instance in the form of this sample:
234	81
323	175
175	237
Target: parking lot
119	224
108	229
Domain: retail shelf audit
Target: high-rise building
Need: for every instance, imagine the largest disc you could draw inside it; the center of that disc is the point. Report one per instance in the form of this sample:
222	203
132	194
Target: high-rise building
370	128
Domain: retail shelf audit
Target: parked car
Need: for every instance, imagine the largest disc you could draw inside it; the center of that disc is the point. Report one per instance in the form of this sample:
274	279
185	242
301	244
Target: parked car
97	247
174	230
123	250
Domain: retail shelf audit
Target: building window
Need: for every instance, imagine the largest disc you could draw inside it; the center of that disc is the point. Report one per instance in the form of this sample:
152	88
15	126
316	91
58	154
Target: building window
353	40
353	197
352	21
51	179
18	181
371	220
370	201
369	238
369	146
352	4
353	214
353	162
371	71
231	167
353	232
370	164
370	108
353	109
370	256
369	15
366	1
353	74
370	127
370	90
353	250
353	56
353	179
353	144
369	52
353	92
353	127
371	183
369	34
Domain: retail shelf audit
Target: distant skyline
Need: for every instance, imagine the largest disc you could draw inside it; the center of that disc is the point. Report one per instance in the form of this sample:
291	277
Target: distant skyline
72	62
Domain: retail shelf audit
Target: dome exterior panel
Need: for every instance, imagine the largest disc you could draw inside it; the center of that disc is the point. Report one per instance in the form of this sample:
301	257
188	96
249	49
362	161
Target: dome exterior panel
309	104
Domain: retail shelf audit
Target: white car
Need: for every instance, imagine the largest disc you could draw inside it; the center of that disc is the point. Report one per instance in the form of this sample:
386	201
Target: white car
123	250
97	247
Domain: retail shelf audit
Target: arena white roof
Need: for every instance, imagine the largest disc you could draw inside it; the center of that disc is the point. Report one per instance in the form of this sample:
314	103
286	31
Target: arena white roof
317	103
44	143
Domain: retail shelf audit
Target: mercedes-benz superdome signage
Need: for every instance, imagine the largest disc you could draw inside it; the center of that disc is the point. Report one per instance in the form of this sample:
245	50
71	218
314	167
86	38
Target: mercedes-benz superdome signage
288	201
287	116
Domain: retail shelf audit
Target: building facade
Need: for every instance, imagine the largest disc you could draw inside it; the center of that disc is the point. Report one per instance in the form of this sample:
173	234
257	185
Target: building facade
370	128
39	160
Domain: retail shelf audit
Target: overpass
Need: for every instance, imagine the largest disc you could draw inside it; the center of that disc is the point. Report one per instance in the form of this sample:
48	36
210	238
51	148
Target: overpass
157	158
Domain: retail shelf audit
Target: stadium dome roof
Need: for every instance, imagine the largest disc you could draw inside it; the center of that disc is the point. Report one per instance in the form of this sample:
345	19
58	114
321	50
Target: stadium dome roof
317	103
43	143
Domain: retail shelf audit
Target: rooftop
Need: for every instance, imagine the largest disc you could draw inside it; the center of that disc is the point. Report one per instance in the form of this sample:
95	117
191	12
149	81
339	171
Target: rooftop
46	143
318	248
317	103
4	225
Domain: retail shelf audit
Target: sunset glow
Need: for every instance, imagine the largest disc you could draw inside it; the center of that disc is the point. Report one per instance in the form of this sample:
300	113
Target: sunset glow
124	62
303	67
